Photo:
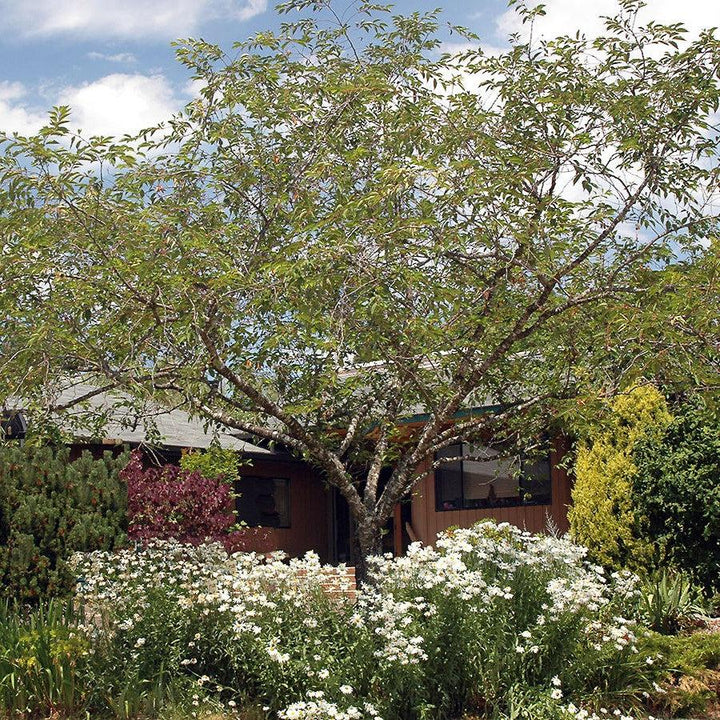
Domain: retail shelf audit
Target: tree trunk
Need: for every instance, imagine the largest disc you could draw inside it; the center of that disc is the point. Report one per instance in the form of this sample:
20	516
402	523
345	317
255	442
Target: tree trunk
368	542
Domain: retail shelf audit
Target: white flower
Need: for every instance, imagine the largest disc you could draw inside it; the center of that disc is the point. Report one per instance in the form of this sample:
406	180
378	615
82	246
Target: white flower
346	689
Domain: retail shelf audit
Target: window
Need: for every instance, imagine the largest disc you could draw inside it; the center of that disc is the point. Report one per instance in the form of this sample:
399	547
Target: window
13	425
491	482
263	502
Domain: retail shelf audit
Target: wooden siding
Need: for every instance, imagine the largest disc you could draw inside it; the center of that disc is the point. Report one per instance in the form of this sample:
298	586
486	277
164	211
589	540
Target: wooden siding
427	522
309	526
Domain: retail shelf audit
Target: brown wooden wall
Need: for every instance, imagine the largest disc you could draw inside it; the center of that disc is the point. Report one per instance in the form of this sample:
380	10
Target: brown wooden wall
309	504
427	522
309	522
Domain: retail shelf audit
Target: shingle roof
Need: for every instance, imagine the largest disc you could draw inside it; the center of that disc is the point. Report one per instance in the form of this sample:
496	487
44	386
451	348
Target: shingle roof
125	424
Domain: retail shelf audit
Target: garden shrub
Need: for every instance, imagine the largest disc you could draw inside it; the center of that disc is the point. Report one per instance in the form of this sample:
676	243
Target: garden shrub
185	505
677	490
215	462
603	516
489	616
50	508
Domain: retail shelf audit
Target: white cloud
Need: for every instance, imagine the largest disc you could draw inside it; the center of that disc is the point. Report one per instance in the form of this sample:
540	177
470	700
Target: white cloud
251	8
455	48
193	88
162	19
116	104
125	58
15	115
120	103
564	17
11	90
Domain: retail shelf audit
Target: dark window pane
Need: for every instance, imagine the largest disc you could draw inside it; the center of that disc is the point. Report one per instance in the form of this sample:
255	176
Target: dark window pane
536	482
448	480
489	482
263	502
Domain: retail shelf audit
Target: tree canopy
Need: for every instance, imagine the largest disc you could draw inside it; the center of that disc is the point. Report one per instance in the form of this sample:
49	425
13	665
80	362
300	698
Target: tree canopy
348	227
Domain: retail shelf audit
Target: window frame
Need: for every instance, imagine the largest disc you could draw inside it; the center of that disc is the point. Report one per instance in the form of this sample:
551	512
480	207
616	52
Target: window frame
263	479
522	499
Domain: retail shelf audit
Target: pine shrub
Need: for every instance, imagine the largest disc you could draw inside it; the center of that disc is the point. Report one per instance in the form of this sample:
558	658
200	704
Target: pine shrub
50	508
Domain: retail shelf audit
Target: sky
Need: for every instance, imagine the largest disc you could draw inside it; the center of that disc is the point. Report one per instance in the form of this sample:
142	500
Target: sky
112	60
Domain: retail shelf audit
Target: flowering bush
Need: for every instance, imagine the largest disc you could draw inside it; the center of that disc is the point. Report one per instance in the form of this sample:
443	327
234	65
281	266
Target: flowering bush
493	609
493	620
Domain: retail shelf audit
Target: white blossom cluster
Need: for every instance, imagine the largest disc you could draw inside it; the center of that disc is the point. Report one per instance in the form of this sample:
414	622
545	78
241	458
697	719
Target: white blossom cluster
538	590
246	584
322	710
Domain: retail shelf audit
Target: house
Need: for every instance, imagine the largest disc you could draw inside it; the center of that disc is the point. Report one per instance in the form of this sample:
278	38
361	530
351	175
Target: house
288	498
461	493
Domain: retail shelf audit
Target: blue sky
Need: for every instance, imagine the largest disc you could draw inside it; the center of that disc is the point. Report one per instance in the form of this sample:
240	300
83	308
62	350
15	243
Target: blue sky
111	60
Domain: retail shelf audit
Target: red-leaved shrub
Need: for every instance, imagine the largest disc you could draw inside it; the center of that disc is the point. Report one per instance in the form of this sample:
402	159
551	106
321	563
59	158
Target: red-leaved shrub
169	502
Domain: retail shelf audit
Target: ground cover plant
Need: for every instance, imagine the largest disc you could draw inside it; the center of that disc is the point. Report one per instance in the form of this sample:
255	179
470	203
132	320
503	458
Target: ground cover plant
690	682
495	621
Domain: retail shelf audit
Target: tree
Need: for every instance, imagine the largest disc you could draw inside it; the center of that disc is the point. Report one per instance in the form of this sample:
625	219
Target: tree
346	228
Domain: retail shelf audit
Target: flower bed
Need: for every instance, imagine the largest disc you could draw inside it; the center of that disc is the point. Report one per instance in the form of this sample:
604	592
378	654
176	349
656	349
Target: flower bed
494	620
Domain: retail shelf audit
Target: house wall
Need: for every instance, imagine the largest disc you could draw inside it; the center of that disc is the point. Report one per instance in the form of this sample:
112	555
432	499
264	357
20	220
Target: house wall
309	503
309	524
427	522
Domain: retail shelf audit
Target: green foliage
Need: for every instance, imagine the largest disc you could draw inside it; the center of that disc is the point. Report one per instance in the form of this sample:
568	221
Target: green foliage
44	660
669	600
50	508
686	654
496	622
603	516
688	670
215	462
677	489
52	664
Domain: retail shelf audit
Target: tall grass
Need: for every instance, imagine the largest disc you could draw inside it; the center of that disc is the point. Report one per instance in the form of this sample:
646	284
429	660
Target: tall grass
43	658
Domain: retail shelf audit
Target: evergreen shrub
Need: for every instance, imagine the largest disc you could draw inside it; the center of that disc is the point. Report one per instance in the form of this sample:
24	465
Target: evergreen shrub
50	508
677	490
604	517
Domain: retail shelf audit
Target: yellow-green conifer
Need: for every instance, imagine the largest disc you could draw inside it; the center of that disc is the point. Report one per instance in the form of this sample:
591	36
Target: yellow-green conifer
602	516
